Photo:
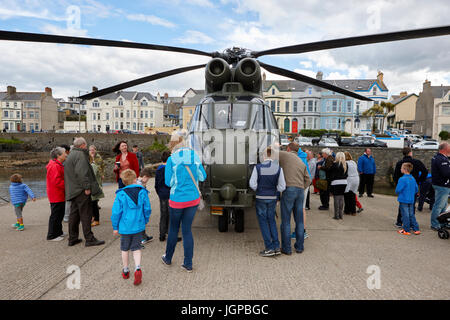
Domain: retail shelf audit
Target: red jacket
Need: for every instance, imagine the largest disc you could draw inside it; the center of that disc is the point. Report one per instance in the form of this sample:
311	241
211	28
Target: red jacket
134	164
55	182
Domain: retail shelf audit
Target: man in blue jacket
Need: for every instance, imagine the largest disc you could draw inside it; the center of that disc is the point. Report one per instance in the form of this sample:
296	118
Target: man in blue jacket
440	177
367	170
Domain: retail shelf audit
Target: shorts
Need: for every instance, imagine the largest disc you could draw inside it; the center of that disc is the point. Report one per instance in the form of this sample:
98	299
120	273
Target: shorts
18	210
131	241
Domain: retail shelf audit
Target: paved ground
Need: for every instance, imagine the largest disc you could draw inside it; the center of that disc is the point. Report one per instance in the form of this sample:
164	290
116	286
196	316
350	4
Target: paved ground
226	265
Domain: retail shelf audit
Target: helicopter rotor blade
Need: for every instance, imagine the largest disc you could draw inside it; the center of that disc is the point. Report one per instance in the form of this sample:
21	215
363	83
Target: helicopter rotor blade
356	41
49	38
136	82
315	82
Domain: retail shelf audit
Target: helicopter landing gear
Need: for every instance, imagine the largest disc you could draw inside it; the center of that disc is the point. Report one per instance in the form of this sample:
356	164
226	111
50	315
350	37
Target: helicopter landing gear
223	221
239	220
235	216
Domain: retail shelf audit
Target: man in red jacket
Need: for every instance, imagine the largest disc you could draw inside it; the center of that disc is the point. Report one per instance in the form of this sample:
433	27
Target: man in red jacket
56	193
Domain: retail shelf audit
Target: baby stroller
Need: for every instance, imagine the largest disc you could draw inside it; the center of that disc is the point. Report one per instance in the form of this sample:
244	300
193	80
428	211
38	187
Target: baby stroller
445	220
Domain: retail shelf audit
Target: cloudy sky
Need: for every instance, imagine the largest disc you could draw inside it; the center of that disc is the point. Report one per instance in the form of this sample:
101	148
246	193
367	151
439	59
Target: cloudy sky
214	26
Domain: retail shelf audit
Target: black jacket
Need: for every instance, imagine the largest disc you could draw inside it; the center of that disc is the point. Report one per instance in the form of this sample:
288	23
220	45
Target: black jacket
418	169
161	188
337	172
440	171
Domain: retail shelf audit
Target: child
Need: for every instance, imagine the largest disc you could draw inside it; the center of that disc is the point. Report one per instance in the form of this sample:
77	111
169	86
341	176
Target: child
19	193
163	192
130	213
267	180
407	189
144	176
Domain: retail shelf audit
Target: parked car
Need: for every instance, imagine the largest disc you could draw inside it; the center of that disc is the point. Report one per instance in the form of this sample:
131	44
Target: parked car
328	142
303	141
369	141
348	141
284	141
426	145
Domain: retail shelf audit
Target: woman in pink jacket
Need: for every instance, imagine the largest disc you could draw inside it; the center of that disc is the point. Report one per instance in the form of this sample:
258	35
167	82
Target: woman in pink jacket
55	193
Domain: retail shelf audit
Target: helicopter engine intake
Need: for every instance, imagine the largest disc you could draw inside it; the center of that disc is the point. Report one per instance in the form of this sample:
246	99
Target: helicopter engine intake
216	74
248	72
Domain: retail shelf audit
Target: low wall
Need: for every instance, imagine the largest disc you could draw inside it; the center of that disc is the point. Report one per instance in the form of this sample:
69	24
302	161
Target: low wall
385	159
103	141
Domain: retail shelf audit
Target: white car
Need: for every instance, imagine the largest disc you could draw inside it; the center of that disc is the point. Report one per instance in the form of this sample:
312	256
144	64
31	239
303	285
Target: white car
284	141
303	141
426	145
328	142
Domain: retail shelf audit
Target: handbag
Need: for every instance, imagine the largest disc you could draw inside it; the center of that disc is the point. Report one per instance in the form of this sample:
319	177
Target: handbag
201	205
322	184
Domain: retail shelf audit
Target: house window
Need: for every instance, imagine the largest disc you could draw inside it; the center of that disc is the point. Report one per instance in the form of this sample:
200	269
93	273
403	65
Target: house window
121	114
107	116
94	116
273	91
295	106
134	114
315	106
134	125
144	103
316	123
310	90
151	114
31	114
116	113
128	114
36	115
334	106
349	106
310	106
445	111
15	104
96	104
445	127
357	107
7	105
120	102
287	106
17	114
328	105
5	114
36	126
116	125
374	92
272	105
146	114
24	115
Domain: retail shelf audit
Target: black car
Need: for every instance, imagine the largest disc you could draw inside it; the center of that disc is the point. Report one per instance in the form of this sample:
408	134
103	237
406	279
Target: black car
348	141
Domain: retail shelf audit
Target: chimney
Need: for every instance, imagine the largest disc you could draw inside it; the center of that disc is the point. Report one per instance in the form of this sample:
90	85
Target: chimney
403	94
264	76
94	89
319	75
380	76
48	91
11	90
426	85
158	97
166	96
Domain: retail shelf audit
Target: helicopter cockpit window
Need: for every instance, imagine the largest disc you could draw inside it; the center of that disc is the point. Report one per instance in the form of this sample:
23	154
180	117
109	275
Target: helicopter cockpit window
221	115
240	115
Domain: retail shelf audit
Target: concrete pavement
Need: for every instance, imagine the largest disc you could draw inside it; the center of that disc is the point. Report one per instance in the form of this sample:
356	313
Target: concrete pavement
227	265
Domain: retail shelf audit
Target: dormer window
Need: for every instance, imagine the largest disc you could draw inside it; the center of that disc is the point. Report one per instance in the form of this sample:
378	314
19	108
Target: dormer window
120	102
374	92
144	103
273	91
96	104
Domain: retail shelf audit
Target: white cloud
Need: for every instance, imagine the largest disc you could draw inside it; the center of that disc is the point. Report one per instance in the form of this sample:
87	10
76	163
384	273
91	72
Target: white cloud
194	37
150	19
306	64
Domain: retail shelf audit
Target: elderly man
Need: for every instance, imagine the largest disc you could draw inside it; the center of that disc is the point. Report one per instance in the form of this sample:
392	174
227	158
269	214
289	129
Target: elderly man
297	179
440	175
80	184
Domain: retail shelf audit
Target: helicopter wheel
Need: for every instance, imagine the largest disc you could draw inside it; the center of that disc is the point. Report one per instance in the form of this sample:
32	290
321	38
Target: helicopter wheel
443	234
223	221
239	220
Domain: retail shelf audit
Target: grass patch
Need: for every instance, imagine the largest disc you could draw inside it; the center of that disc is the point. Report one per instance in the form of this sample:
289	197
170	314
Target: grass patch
10	141
157	146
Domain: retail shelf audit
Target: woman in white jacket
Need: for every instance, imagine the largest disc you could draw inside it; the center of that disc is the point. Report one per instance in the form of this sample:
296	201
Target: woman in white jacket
352	185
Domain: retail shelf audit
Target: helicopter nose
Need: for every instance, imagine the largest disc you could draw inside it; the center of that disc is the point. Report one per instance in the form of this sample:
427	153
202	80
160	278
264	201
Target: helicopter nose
228	191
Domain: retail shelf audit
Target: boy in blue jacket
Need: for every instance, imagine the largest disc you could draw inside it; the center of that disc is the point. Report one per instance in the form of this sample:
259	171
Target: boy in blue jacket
130	213
407	189
163	192
19	193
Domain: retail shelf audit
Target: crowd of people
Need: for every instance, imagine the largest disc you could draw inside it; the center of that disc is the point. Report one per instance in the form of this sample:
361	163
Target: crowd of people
74	188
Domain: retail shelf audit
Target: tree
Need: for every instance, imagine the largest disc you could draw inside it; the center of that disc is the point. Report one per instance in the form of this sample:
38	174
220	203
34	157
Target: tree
374	111
443	135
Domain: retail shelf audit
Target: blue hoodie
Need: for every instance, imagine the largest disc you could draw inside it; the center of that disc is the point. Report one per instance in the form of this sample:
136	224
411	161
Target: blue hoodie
182	188
131	209
19	193
304	157
406	189
366	164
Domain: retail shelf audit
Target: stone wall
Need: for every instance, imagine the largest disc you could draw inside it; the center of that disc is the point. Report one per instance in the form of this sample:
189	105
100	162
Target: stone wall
104	142
385	160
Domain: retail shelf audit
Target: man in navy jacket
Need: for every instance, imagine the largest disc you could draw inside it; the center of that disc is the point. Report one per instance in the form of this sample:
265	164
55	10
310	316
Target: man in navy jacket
367	170
440	175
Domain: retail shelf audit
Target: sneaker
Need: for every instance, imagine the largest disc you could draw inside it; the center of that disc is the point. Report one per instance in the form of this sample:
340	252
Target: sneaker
125	275
359	210
293	235
94	242
285	252
277	252
188	269
179	239
162	238
267	253
398	225
417	232
71	244
146	239
323	208
404	232
360	195
163	258
308	208
298	251
20	228
60	238
16	225
137	277
370	196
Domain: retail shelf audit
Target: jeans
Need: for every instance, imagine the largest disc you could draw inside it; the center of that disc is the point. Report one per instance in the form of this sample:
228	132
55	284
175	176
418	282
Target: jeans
408	217
265	212
292	201
184	217
400	214
440	204
164	217
338	206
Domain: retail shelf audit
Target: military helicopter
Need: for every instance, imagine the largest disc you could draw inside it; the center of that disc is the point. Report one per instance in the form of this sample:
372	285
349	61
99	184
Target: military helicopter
233	102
